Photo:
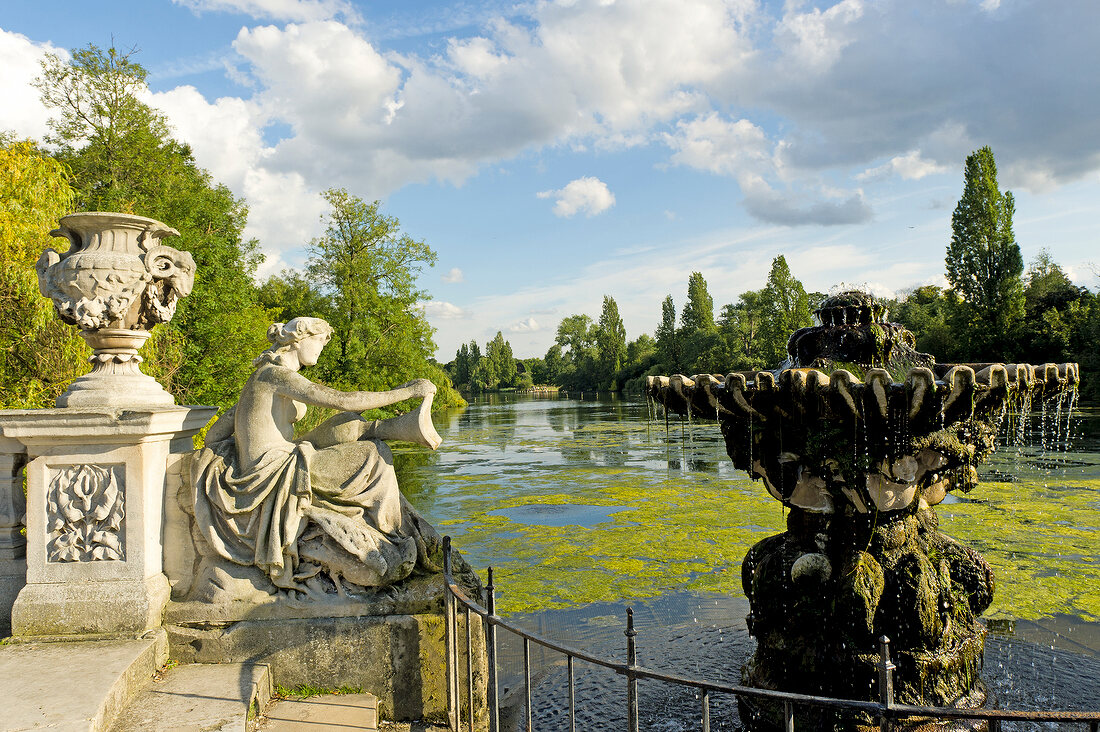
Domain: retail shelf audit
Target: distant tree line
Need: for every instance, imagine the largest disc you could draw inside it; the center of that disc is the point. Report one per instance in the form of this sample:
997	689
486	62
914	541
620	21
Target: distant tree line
993	310
109	151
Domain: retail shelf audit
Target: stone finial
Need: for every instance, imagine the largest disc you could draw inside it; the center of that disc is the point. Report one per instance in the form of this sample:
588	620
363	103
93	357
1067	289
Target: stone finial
116	281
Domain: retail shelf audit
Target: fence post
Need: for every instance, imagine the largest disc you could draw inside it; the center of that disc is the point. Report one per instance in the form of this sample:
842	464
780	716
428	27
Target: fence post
885	682
491	643
631	679
449	626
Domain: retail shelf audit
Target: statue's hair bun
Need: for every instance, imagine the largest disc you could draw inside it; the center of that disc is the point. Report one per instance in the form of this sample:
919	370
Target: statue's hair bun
276	334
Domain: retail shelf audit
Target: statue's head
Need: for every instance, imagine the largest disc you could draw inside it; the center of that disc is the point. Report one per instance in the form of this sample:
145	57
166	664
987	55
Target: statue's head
304	335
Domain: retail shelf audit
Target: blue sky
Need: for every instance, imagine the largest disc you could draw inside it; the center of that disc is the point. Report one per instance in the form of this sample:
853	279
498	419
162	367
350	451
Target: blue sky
555	152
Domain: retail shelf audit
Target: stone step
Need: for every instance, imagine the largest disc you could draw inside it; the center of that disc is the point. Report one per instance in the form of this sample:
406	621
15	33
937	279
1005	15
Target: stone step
199	697
74	686
343	712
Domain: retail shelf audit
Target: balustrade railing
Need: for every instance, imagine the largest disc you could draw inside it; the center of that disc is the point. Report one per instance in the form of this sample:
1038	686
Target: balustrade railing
886	710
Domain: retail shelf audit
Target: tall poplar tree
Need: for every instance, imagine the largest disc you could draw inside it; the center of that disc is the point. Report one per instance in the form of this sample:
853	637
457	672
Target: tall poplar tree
610	343
984	264
669	347
785	308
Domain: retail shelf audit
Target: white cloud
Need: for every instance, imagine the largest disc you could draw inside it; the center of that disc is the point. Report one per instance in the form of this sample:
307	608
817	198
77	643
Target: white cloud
22	112
910	166
814	40
292	10
588	194
453	276
439	310
527	325
742	150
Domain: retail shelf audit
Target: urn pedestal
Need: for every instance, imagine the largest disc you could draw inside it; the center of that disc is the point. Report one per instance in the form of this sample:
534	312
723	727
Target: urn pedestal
96	484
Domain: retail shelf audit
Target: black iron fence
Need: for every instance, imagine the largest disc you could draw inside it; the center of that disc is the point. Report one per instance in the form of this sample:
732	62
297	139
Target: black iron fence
886	710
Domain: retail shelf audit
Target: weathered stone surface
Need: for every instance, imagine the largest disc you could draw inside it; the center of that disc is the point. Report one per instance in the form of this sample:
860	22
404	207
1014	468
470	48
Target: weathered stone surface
109	673
96	481
401	659
198	698
346	712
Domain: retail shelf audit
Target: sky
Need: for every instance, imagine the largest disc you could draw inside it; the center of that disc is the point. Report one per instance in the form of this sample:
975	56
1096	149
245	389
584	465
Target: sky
552	153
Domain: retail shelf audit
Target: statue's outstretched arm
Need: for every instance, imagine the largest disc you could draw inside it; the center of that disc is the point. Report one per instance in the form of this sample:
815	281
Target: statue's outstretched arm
292	384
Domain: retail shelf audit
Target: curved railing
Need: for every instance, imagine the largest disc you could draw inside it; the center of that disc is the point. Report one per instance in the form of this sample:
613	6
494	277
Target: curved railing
886	710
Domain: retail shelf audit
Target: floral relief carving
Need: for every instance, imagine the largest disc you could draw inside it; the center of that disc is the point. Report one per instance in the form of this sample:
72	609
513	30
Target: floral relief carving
84	512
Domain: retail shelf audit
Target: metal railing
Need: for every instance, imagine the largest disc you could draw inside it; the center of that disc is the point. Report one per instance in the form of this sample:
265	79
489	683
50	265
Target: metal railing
886	710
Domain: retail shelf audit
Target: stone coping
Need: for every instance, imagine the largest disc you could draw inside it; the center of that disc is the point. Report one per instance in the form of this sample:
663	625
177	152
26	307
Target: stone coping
103	425
422	595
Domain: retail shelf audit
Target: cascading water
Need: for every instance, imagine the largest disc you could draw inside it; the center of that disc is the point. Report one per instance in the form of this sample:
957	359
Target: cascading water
860	436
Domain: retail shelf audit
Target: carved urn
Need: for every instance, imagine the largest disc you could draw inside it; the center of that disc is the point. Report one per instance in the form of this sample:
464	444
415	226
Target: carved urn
116	281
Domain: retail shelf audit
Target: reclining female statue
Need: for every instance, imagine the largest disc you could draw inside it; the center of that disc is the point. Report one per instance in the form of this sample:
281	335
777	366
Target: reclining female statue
322	514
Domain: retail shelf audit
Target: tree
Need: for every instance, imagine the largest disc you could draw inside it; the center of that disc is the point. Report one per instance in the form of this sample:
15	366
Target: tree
785	308
931	314
291	294
39	355
367	268
462	366
669	345
123	158
610	343
114	143
740	326
1047	285
553	365
577	337
698	334
641	349
501	362
984	264
698	313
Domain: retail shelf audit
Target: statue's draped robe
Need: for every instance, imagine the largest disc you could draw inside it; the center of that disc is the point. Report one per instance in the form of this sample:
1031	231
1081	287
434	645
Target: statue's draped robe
302	510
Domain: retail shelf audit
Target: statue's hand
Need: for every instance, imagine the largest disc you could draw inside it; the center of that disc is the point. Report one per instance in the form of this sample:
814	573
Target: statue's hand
422	387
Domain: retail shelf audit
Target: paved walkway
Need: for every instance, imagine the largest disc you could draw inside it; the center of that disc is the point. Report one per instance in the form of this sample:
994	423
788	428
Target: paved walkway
338	712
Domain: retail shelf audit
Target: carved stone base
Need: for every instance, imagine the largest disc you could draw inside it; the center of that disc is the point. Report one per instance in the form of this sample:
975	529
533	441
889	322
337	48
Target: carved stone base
96	480
400	658
99	608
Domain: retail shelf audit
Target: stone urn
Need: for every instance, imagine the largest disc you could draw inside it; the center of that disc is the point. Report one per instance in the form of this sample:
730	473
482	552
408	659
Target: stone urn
860	436
115	282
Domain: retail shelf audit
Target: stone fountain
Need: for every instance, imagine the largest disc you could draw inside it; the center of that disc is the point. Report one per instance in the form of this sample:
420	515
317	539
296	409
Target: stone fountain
860	435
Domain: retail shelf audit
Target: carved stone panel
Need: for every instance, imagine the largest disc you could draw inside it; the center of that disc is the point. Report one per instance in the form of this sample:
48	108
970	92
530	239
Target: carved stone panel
84	512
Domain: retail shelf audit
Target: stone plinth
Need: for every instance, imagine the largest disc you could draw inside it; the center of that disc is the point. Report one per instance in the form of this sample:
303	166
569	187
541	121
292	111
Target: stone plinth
388	643
96	482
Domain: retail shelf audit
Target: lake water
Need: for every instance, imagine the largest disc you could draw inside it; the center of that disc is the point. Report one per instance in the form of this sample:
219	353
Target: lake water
585	507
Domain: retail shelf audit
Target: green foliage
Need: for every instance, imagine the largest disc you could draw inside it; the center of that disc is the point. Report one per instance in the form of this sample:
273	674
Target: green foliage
698	314
698	335
669	346
364	271
785	307
610	344
984	264
307	691
39	355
